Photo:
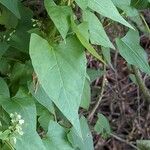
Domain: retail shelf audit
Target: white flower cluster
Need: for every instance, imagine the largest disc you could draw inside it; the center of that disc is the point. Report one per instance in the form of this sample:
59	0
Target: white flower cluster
16	125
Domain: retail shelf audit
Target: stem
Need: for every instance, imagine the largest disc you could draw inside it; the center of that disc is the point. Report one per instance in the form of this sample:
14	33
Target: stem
124	141
141	84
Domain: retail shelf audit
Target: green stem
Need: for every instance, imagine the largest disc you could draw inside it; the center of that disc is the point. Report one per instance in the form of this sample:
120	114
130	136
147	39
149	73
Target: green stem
147	26
141	84
9	145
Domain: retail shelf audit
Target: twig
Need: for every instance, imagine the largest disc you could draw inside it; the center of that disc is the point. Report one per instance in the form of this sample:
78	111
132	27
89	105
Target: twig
124	141
141	84
91	115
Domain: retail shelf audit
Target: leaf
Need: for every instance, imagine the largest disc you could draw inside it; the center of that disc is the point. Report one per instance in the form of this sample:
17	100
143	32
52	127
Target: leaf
4	91
84	29
86	95
107	8
143	144
12	5
42	97
83	144
107	56
98	35
83	4
122	2
3	48
94	74
56	138
61	72
44	120
60	16
7	19
25	106
102	126
84	41
132	52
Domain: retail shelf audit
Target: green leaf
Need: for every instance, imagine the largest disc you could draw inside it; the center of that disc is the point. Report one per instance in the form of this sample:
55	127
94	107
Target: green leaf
61	72
25	106
122	2
56	138
60	16
7	18
102	126
4	91
132	52
86	143
140	4
94	74
41	96
83	4
98	35
44	119
143	144
84	41
12	5
107	56
108	9
86	95
3	48
84	29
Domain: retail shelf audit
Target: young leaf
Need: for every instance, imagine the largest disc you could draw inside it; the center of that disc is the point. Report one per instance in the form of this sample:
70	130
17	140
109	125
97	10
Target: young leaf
84	41
60	16
61	72
132	52
56	138
12	5
102	126
98	35
83	144
108	9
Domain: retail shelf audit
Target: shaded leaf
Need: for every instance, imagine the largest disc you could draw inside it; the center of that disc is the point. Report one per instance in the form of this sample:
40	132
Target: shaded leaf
102	126
3	48
12	5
